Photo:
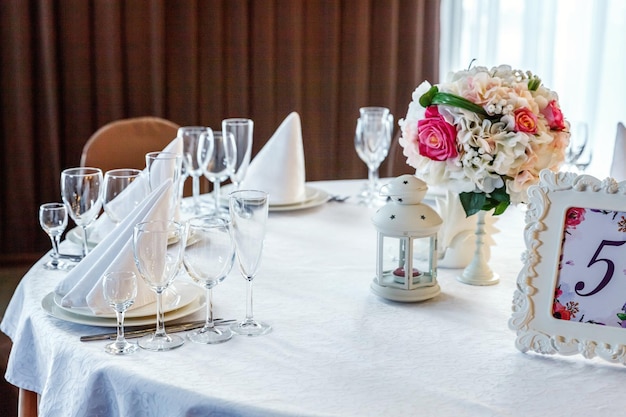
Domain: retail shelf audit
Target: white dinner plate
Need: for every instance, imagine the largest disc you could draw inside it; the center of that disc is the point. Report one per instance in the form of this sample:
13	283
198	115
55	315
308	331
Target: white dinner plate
313	198
175	296
54	310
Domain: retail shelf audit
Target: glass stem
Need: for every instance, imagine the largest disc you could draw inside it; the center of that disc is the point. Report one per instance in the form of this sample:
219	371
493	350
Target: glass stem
85	240
160	324
216	195
55	246
195	182
120	327
372	177
209	308
249	314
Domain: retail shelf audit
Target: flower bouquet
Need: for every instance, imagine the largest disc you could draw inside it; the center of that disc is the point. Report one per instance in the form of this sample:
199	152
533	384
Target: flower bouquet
485	134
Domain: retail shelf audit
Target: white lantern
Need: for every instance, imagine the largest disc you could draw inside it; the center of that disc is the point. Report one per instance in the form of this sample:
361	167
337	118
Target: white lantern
406	253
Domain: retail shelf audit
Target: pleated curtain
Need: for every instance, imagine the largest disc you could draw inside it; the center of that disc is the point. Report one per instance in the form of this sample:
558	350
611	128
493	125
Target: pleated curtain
67	67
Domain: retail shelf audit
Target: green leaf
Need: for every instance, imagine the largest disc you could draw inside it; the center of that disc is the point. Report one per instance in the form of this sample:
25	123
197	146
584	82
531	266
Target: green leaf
621	316
453	100
533	83
427	98
472	202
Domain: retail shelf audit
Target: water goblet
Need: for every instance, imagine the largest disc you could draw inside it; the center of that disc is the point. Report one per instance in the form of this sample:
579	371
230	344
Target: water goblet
242	130
163	166
220	164
158	248
53	220
196	151
81	192
208	259
371	141
248	212
120	289
116	184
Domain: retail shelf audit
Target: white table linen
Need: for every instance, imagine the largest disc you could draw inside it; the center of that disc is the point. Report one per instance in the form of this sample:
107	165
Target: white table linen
335	350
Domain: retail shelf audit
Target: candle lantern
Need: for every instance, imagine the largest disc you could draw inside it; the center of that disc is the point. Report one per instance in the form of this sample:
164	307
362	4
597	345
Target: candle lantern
406	252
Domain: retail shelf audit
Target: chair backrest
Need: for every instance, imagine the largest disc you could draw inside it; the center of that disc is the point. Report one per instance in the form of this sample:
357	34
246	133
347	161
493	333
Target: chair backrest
124	143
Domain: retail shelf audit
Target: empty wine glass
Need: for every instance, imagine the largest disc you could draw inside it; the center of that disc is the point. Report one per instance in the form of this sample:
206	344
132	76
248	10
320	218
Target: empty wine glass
242	130
196	150
116	184
372	140
120	289
248	212
158	247
163	166
208	259
577	149
81	192
53	220
220	164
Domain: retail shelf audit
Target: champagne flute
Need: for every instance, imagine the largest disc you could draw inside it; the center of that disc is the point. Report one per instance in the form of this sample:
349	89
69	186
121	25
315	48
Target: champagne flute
120	289
80	189
53	220
196	150
116	183
208	259
248	211
158	248
220	164
161	167
242	130
372	140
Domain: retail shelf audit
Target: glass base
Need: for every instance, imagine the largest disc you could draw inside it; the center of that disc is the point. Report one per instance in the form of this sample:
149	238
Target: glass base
251	328
160	343
210	335
120	348
55	265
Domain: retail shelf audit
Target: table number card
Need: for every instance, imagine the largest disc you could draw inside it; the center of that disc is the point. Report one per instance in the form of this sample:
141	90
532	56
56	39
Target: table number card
571	292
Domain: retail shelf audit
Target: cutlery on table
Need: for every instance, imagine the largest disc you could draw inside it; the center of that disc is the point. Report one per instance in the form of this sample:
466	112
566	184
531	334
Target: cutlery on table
136	332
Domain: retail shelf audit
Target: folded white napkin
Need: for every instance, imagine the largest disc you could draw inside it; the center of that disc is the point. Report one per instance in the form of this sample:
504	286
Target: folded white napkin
140	187
82	286
278	168
618	165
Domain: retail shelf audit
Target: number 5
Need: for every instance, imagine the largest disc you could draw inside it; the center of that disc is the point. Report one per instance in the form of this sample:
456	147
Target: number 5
610	268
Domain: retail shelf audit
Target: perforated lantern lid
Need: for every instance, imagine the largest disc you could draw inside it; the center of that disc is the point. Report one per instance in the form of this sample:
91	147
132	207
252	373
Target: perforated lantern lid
405	214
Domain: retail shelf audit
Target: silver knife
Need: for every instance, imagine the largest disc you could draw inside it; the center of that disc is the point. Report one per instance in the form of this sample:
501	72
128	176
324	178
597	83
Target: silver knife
139	332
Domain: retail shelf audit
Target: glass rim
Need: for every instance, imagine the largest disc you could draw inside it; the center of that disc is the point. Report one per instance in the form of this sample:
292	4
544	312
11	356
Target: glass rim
163	155
259	193
55	205
374	109
219	220
176	224
238	120
81	171
117	172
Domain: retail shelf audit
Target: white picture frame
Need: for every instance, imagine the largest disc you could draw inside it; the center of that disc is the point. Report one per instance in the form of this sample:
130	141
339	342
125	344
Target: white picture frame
557	255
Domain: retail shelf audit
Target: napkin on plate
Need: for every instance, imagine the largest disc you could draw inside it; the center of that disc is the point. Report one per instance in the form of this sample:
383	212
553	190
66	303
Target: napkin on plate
104	225
82	286
618	168
278	168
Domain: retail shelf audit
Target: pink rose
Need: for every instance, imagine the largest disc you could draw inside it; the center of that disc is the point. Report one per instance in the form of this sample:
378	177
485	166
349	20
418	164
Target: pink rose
553	115
436	137
574	216
560	312
525	120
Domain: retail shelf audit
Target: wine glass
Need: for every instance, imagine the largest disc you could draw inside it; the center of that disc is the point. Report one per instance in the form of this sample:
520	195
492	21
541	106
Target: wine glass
196	150
220	164
158	248
53	220
577	146
248	212
80	189
116	183
242	130
208	259
120	289
372	140
163	166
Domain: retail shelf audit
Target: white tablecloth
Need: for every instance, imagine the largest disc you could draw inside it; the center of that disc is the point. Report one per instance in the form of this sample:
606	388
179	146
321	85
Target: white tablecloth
335	350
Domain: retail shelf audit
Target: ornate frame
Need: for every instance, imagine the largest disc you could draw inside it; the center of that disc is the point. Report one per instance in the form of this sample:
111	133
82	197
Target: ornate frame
532	319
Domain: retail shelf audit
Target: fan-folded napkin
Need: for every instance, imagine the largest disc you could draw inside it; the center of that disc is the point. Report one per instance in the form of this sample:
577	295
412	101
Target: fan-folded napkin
82	287
278	168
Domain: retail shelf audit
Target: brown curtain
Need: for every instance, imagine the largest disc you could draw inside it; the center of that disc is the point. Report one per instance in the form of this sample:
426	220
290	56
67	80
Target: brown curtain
67	67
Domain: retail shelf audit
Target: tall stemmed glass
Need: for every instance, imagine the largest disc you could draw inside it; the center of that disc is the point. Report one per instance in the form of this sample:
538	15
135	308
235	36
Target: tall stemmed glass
81	192
120	289
371	141
220	164
577	149
158	247
53	220
196	151
208	259
116	183
248	212
162	166
242	130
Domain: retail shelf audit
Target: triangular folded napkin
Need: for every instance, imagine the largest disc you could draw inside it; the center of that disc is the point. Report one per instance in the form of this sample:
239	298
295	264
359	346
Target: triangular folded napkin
278	168
82	286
